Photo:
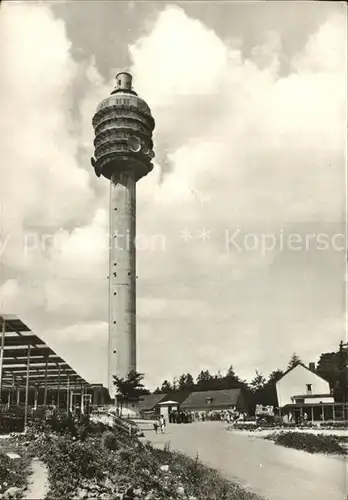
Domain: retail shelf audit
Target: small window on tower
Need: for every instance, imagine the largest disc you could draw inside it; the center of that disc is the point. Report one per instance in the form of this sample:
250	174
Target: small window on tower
120	82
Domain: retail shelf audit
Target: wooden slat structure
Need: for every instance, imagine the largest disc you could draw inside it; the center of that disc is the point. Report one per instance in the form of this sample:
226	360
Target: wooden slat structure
27	361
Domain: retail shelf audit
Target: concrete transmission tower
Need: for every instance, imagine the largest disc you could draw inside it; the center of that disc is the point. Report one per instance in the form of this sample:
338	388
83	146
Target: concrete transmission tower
123	127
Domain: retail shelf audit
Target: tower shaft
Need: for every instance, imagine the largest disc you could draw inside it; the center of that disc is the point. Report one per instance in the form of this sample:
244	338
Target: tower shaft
122	276
123	127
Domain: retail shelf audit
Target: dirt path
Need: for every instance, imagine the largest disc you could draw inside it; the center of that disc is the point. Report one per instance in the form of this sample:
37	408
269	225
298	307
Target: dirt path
38	481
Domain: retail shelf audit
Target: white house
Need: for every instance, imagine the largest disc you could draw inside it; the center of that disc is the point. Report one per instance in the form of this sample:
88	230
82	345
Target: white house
301	385
167	406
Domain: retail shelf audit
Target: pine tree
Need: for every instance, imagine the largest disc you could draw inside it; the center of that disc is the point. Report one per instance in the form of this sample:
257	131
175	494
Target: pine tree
190	383
275	376
175	384
258	382
342	382
231	379
182	383
166	387
294	361
130	387
204	380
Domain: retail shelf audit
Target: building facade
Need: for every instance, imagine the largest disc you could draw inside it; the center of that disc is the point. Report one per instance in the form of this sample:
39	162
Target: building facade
304	395
299	384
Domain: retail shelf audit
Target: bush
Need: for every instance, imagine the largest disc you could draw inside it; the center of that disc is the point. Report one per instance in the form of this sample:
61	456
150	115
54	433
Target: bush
13	472
334	425
312	443
12	419
109	440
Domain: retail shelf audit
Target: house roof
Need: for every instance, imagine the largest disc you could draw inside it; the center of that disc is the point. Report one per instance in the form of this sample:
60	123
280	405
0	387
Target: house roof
303	366
218	398
149	401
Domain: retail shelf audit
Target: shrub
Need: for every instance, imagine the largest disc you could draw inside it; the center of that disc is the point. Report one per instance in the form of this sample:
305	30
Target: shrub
109	440
334	425
312	443
12	419
13	472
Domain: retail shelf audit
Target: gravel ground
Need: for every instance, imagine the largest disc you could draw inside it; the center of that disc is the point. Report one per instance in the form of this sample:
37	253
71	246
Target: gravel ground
273	472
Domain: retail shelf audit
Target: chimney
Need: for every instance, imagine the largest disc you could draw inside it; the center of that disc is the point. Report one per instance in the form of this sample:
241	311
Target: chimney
312	366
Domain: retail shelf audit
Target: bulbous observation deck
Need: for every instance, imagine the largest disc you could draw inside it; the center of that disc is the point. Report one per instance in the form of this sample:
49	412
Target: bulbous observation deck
123	127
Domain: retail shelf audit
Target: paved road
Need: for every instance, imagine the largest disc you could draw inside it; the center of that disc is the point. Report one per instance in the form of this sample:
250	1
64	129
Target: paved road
274	472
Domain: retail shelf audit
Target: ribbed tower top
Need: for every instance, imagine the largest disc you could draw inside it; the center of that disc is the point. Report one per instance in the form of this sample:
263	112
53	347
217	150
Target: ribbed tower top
123	126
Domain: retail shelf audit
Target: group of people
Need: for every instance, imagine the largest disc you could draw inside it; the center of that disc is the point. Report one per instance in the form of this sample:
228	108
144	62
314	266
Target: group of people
185	417
228	416
299	420
180	417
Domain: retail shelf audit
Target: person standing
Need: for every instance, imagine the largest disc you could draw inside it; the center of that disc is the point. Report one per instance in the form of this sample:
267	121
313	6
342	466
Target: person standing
77	411
162	423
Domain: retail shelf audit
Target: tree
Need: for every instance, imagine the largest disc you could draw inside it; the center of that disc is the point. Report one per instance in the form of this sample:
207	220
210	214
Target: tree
268	395
327	367
182	382
294	361
231	373
190	383
258	382
341	386
175	384
186	382
129	388
342	369
204	381
332	366
232	381
166	387
275	376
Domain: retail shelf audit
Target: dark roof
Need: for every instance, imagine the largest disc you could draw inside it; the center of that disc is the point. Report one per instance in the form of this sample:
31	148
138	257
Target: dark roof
45	366
149	401
178	397
219	398
303	366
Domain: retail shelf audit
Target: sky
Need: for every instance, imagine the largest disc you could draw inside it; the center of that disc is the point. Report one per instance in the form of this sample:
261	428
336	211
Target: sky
241	224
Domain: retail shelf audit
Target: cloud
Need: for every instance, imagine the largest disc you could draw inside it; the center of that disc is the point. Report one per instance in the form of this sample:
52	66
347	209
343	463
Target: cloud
266	152
238	146
52	215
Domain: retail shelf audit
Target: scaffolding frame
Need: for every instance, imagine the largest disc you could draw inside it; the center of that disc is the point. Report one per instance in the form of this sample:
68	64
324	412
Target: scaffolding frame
27	361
